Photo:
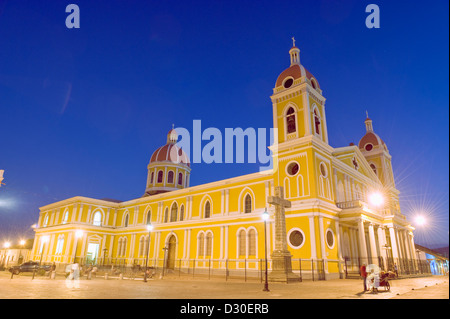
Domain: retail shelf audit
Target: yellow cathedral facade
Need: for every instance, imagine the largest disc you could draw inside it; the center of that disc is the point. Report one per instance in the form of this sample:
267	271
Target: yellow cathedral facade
344	205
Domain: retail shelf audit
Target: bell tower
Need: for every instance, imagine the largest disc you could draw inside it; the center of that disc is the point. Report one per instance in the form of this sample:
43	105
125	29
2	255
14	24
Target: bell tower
298	103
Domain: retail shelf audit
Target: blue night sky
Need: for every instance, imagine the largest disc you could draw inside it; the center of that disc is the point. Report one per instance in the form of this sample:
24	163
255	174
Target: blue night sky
82	110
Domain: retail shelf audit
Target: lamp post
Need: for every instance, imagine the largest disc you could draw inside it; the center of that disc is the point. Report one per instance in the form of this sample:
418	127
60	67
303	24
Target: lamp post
265	217
78	234
149	228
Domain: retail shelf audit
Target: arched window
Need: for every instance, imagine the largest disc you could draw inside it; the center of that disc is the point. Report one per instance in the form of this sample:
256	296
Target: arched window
252	242
141	246
201	244
242	243
316	122
66	217
97	219
170	177
374	168
149	217
119	247
290	121
45	221
151	177
181	213
248	204
174	213
160	177
59	245
126	220
166	215
124	246
207	210
180	178
208	244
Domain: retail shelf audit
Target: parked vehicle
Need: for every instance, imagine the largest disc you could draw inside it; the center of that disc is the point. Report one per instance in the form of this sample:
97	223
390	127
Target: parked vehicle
28	266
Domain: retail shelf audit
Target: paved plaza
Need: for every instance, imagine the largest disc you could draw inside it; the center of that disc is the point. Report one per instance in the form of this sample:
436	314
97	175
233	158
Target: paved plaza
24	287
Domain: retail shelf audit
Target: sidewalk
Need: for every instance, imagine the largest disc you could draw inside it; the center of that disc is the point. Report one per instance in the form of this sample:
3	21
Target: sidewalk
23	287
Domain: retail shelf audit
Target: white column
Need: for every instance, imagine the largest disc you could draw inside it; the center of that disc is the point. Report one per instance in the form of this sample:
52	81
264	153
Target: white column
393	242
362	240
373	248
322	239
399	244
312	237
382	241
339	238
406	244
353	243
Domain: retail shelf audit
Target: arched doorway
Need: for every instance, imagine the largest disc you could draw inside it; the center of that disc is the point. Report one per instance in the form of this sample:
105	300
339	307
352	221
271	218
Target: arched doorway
171	252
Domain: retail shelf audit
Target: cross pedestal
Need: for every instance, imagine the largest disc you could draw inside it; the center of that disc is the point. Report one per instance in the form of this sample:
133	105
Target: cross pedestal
281	257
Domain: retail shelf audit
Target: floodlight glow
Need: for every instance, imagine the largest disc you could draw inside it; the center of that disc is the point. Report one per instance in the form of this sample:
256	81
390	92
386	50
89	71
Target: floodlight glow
420	220
7	244
149	227
265	215
78	233
376	199
22	242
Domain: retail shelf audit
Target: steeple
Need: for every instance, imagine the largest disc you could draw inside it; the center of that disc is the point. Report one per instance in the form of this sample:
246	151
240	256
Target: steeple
294	52
368	122
172	136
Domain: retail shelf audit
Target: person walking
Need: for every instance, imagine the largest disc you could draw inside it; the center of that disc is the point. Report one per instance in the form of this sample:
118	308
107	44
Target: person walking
363	273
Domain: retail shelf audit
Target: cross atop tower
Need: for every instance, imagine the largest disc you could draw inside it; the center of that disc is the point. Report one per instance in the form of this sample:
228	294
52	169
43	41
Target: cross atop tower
294	52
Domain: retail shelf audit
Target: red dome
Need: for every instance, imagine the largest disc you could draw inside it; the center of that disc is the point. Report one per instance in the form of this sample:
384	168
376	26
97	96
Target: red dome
371	138
170	153
296	71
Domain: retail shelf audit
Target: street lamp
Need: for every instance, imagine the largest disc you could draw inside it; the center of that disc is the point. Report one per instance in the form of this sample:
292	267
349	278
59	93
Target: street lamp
149	228
420	220
265	217
78	234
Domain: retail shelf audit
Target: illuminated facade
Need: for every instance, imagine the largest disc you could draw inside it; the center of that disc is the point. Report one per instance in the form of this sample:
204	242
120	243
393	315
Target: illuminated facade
345	206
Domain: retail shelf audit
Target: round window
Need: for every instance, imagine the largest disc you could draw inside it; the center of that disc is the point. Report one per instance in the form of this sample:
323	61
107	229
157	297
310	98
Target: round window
369	147
330	238
293	168
288	83
296	238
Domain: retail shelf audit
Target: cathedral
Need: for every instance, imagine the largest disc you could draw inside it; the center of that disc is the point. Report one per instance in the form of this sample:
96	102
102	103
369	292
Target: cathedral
343	204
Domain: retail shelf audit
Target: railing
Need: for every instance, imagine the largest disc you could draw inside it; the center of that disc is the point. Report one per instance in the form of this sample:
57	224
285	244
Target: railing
351	204
397	266
226	269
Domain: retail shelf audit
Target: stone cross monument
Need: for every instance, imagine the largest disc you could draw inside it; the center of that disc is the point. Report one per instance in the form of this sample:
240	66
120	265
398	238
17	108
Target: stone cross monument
281	257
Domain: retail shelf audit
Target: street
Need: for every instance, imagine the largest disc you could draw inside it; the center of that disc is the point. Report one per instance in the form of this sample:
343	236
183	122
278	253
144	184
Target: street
24	287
